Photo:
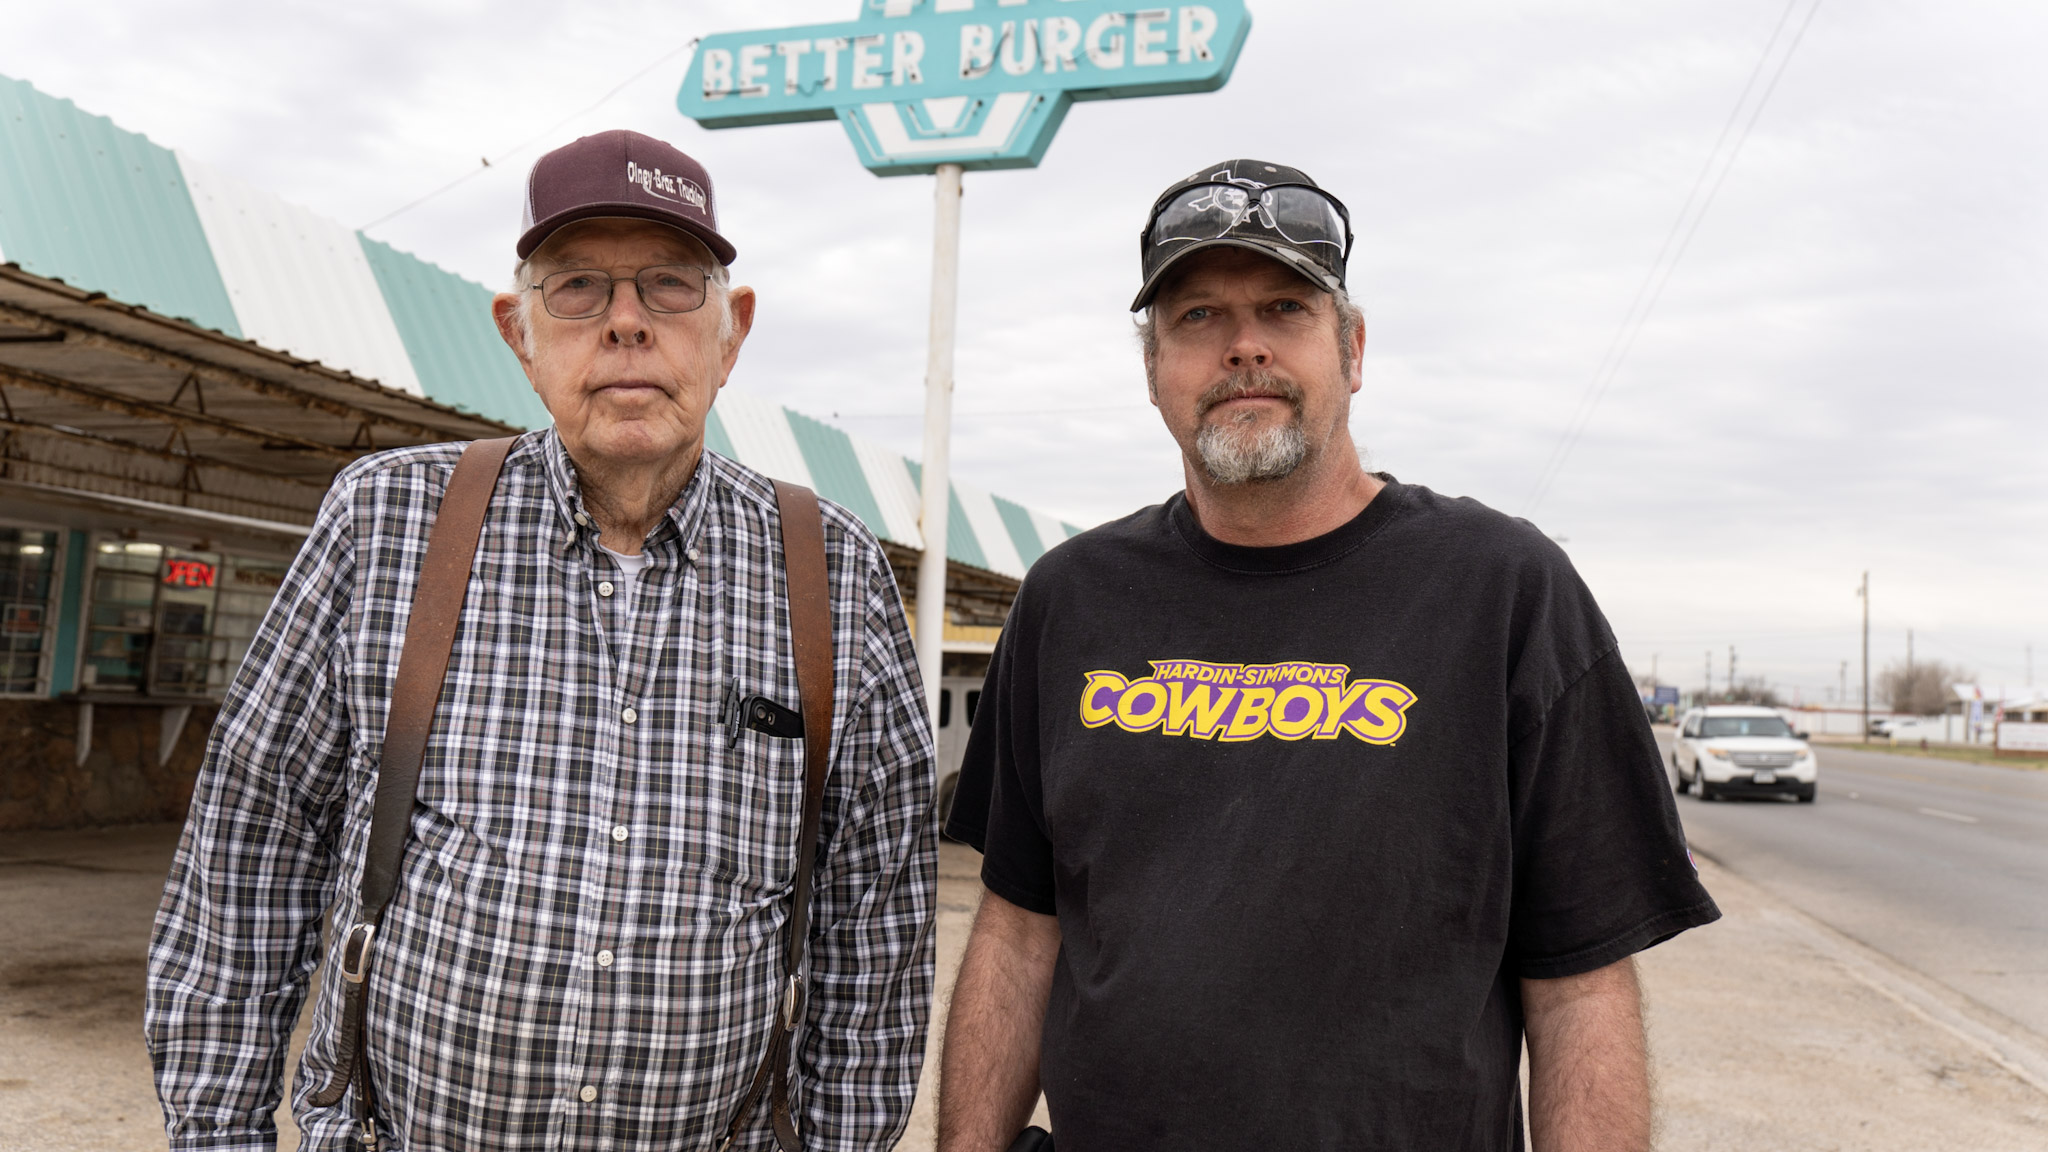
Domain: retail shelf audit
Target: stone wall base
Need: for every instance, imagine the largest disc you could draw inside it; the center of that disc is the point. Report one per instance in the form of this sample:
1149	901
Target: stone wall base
42	785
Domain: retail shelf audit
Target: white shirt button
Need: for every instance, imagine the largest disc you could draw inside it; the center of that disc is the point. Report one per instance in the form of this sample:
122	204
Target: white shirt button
619	833
629	715
605	958
583	521
604	587
693	555
587	1094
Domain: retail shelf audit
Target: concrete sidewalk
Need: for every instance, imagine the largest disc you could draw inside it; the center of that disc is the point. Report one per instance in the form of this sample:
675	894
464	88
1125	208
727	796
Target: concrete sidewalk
1767	1034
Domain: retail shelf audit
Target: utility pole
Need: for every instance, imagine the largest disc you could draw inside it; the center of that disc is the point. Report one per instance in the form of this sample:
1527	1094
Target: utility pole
1909	655
1843	695
1863	592
1710	677
1731	672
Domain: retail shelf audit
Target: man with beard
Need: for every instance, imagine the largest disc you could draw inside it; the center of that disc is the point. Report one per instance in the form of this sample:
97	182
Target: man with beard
1306	795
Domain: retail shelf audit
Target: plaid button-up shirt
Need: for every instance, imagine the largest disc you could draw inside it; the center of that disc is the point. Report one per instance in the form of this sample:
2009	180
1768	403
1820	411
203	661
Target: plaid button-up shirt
585	948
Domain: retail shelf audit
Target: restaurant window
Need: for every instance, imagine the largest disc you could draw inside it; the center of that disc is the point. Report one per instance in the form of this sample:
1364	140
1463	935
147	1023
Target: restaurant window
171	622
247	586
28	571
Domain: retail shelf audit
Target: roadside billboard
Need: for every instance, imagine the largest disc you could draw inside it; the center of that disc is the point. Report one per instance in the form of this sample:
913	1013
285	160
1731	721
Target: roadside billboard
938	87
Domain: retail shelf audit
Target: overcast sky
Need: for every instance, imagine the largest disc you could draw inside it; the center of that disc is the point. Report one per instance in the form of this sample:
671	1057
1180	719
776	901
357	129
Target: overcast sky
1844	372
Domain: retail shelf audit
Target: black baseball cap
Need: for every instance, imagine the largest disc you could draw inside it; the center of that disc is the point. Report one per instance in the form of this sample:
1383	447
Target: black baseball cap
1271	209
620	174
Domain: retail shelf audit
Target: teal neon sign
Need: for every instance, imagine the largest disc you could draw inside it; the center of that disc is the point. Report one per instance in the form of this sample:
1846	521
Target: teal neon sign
978	83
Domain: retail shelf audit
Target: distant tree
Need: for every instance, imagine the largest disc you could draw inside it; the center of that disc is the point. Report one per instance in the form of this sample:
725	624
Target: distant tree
1753	690
1922	688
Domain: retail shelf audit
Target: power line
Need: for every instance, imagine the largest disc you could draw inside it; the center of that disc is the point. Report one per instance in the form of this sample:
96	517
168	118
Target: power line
1607	358
557	126
1669	253
1708	631
996	412
1635	303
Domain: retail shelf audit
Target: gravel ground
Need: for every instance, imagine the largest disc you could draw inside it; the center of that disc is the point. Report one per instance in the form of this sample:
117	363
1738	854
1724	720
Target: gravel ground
77	909
1763	1038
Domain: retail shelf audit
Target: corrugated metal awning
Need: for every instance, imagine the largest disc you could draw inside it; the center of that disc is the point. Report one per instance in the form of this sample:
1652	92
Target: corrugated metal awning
307	344
113	398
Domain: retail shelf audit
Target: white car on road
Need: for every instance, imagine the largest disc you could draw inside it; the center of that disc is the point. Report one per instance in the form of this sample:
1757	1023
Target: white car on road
1733	750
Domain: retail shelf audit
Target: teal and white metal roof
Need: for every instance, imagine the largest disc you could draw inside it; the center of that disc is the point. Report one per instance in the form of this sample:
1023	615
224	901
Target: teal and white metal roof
101	208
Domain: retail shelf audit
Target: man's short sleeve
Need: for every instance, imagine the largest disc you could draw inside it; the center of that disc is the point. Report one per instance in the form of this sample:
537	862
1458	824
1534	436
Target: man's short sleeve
1601	867
998	805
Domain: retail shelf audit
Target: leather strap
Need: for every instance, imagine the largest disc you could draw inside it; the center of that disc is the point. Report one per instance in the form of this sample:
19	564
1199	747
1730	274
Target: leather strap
422	667
810	633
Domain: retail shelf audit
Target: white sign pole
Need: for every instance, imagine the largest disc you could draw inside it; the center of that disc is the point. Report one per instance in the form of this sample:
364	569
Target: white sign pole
942	110
938	431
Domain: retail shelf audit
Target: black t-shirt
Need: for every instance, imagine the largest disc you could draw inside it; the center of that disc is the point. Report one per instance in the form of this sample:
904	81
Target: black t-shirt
1306	814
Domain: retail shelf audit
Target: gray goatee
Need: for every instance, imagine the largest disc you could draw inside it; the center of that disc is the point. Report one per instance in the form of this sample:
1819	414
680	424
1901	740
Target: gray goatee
1241	449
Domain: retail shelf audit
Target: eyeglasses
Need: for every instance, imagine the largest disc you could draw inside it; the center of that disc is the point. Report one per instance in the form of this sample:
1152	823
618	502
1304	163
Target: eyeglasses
1301	215
580	293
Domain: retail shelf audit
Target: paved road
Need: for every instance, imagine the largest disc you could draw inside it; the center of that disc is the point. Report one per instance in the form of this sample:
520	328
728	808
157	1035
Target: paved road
1942	866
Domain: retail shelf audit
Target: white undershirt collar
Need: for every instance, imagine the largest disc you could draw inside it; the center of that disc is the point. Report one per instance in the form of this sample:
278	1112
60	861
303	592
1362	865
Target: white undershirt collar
629	570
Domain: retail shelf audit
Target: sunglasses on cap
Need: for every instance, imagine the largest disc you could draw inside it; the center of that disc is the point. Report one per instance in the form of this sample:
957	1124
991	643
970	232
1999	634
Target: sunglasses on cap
1304	217
1298	224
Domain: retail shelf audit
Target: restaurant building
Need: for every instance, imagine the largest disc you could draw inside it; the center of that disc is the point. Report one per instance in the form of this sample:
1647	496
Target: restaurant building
185	363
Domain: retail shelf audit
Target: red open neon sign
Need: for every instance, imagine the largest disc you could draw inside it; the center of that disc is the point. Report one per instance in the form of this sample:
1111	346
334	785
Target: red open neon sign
188	573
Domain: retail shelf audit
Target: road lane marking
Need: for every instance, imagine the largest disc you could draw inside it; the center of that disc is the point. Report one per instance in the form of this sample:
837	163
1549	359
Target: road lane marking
2025	791
1865	770
1955	816
2019	787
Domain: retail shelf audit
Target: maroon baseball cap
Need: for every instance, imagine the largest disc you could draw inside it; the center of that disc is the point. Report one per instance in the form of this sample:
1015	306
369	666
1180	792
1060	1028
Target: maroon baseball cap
620	173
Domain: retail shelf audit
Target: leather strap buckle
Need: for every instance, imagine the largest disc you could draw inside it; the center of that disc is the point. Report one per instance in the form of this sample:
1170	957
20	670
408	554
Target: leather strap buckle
793	1002
355	953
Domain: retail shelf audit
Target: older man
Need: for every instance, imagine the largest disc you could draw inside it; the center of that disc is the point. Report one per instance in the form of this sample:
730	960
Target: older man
1304	793
585	946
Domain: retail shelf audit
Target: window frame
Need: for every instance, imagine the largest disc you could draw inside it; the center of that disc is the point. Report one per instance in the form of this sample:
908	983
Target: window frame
46	658
229	556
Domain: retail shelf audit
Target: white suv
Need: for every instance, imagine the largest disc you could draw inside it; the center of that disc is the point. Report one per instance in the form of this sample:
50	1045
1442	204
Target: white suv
1731	750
